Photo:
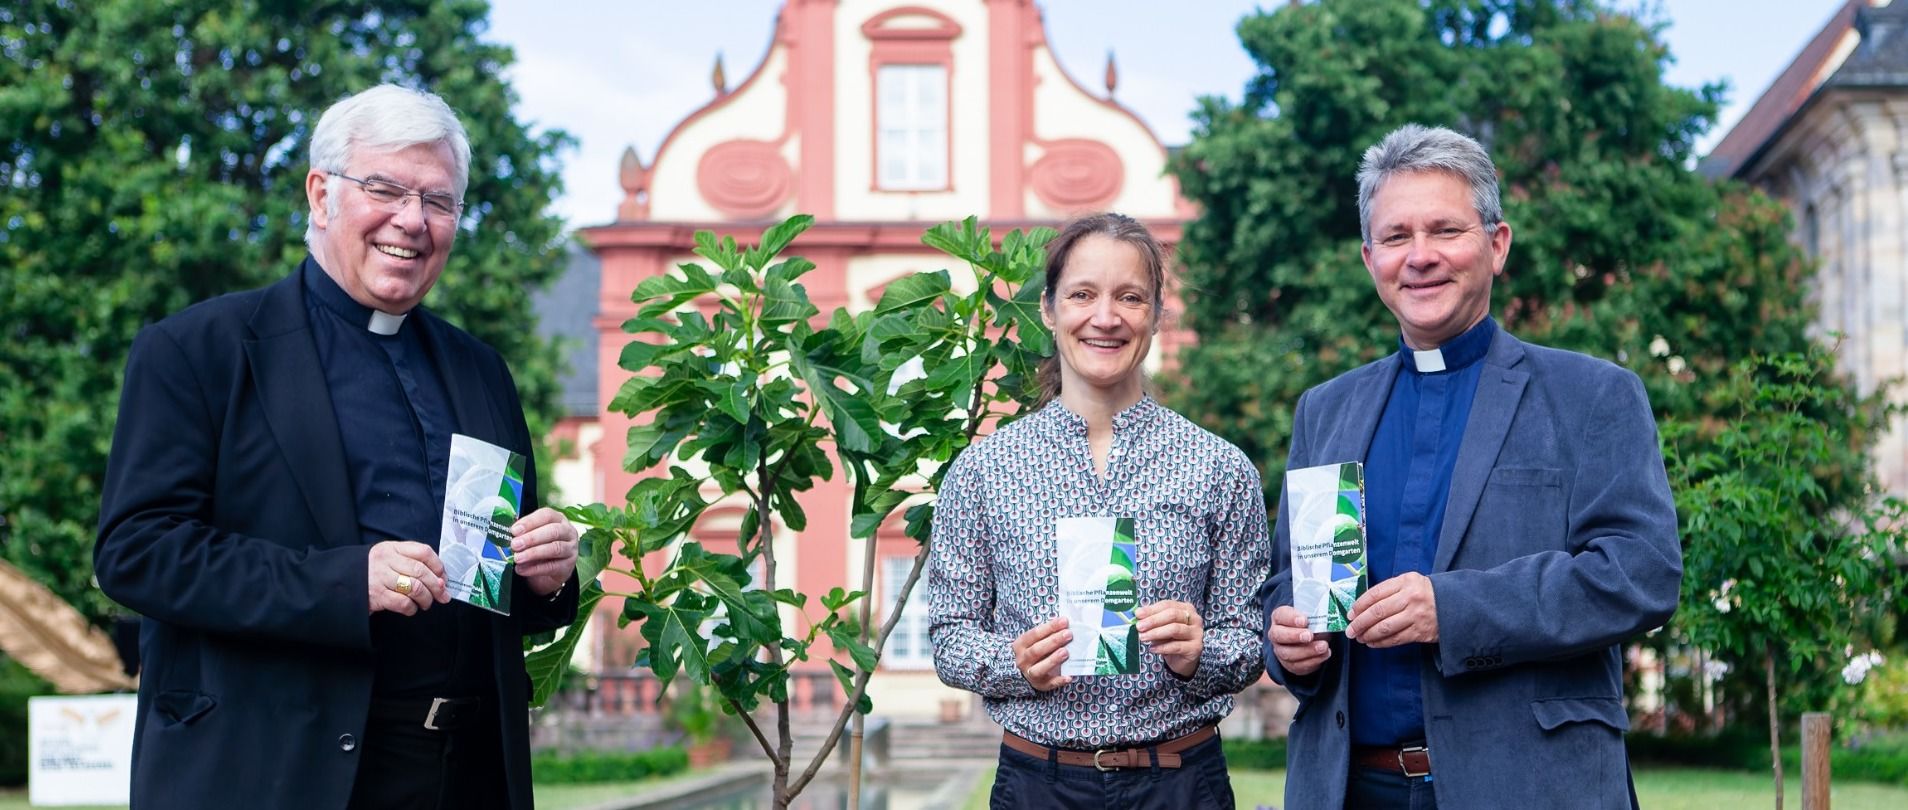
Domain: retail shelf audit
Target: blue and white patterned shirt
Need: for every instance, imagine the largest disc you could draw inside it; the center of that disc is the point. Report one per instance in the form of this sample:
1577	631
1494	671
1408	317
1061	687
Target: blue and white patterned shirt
1202	539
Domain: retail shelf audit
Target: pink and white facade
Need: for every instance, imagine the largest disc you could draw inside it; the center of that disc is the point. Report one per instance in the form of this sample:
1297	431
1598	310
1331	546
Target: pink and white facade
881	118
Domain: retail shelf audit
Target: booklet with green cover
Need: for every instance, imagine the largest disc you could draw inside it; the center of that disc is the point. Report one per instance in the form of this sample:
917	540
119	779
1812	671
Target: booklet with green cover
1326	505
1098	594
483	495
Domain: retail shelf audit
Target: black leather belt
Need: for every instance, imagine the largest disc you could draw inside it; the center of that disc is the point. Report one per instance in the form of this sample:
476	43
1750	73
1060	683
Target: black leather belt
435	714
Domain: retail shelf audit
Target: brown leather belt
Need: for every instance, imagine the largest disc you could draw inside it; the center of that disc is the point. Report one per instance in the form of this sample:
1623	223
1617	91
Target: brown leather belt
1107	759
1411	760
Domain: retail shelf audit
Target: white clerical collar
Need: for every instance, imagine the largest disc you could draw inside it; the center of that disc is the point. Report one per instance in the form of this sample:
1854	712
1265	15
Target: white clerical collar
1429	361
384	323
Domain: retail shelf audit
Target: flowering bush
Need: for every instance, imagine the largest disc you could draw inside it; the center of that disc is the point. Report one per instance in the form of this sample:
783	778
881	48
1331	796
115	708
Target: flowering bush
1880	702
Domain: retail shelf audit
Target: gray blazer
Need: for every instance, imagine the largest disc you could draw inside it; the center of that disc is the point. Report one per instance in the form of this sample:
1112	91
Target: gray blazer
1558	545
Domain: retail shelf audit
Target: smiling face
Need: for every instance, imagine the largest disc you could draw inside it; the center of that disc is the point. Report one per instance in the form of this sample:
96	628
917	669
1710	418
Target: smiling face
1430	256
385	258
1102	312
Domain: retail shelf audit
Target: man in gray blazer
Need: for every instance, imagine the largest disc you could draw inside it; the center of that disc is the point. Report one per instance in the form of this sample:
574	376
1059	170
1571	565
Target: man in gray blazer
1520	530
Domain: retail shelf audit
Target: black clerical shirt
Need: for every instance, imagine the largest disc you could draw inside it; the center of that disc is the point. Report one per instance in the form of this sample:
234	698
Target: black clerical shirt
396	421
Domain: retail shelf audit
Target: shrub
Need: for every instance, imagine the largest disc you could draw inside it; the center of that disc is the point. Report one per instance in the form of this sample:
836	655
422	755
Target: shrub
1882	699
1255	755
16	685
607	766
1734	750
1880	759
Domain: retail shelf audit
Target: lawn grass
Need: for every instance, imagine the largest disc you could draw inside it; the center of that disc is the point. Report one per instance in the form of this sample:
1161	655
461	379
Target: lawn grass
1657	789
549	796
1702	789
16	799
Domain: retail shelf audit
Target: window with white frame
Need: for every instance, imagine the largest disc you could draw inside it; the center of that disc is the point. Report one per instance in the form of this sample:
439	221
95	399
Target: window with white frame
908	646
911	127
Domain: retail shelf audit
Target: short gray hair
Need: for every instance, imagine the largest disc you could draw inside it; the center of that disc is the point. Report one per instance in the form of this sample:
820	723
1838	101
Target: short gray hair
384	117
1416	148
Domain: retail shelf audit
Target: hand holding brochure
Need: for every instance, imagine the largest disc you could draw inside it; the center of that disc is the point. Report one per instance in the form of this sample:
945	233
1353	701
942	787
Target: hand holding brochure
1098	595
483	495
1327	508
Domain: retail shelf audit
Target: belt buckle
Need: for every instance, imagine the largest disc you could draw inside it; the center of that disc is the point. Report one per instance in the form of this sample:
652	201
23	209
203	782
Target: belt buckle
1096	759
1415	749
430	720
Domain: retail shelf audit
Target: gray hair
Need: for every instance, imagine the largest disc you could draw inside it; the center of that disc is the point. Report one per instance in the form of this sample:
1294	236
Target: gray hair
384	117
1415	148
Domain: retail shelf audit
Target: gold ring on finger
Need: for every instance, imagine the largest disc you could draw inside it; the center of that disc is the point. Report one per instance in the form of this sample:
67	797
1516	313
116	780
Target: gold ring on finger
404	585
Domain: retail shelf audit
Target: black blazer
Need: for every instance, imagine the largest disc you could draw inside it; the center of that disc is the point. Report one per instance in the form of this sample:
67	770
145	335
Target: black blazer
227	522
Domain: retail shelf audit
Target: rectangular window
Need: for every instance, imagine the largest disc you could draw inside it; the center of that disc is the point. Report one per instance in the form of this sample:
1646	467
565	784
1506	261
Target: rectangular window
908	646
911	127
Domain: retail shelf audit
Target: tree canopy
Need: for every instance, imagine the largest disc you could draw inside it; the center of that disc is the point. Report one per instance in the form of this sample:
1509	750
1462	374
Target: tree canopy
1620	250
153	154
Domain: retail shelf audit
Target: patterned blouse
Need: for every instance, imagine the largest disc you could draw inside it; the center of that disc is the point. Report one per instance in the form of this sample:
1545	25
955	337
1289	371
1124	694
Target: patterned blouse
1201	529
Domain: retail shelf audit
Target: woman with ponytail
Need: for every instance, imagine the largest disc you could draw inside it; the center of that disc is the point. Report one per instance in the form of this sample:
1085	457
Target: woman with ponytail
1184	508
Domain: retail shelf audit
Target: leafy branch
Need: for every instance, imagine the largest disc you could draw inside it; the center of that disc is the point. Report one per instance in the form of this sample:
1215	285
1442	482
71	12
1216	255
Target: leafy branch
741	393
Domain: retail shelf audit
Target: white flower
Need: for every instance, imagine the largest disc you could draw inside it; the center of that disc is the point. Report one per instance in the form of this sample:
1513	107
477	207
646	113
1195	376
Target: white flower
1715	670
1857	669
1676	365
1855	672
1659	347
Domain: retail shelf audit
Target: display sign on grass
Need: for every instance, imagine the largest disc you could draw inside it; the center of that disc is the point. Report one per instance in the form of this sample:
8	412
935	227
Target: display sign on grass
79	749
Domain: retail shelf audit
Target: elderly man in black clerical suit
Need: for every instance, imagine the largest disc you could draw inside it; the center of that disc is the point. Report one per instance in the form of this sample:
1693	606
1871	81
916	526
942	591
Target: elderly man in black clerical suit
273	503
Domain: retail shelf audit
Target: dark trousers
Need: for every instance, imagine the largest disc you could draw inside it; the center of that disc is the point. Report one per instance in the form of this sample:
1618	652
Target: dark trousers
1026	781
1374	789
404	766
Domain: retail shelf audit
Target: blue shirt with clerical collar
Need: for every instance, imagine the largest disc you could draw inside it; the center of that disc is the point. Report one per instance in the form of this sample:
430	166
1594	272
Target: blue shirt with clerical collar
1407	480
395	423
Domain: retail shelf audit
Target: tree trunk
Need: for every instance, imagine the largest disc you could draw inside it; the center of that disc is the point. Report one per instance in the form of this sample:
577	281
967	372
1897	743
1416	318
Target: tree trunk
784	739
860	722
1775	723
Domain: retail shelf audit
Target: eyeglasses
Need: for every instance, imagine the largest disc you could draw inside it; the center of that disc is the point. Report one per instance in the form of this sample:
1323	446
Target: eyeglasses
391	195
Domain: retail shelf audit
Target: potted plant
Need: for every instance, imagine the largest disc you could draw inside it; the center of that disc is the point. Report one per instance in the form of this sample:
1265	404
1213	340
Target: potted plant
696	711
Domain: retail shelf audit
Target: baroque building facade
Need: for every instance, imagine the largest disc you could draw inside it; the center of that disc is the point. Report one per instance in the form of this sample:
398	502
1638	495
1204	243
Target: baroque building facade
881	119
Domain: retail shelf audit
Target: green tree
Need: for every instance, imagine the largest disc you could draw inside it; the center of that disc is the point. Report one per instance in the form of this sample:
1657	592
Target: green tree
1617	243
153	154
1779	566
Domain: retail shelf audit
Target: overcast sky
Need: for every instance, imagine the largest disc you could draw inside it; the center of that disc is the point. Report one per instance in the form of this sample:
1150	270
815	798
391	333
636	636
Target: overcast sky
618	74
